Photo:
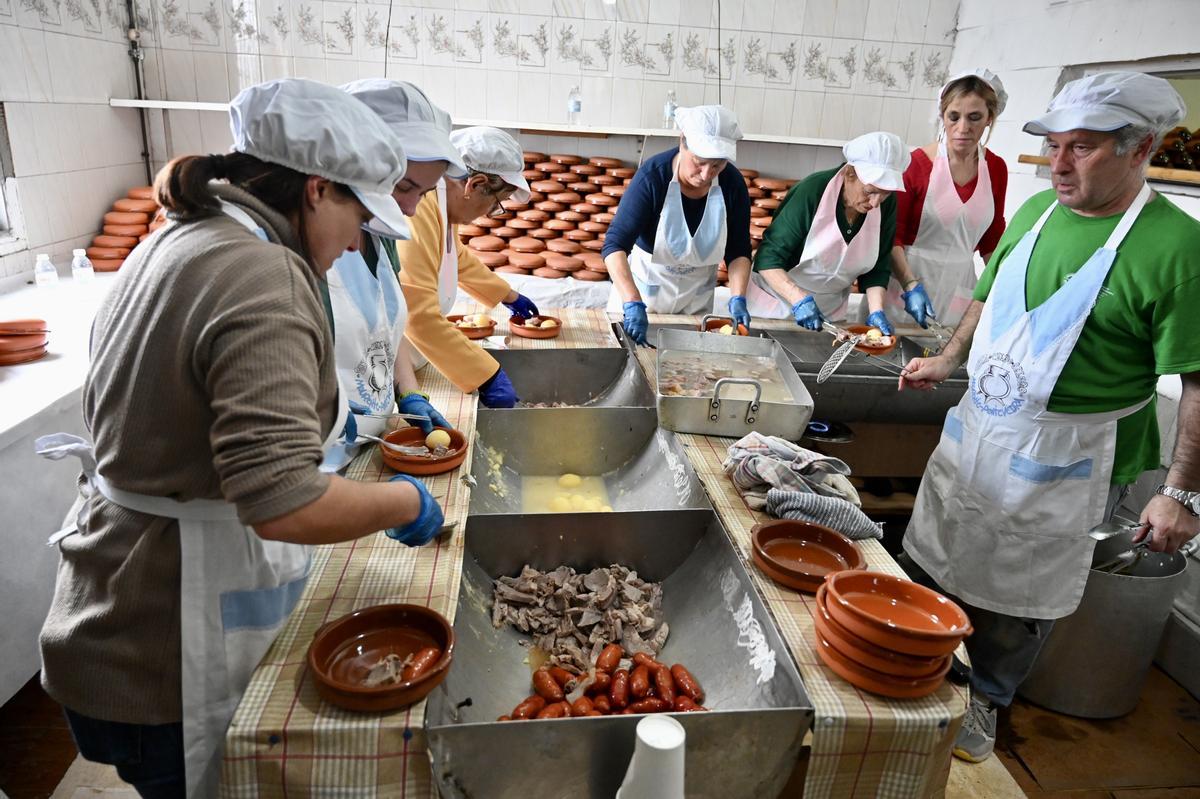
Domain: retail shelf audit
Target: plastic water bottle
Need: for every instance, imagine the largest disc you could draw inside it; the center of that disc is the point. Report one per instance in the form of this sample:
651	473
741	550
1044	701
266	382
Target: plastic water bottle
574	106
669	110
44	273
81	267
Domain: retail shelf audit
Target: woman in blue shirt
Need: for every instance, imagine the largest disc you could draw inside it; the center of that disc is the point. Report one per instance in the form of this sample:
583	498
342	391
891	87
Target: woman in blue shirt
686	210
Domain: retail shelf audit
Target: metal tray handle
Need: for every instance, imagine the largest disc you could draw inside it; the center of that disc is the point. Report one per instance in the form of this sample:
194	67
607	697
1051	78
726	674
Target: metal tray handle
714	404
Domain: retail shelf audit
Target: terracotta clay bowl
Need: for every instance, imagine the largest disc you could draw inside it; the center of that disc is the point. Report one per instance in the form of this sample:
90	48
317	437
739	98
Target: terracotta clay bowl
517	325
415	465
14	327
787	580
472	332
14	357
860	329
896	613
344	650
714	325
21	341
874	681
804	552
867	654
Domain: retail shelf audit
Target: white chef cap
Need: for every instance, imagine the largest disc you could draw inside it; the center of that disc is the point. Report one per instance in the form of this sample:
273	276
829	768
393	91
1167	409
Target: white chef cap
422	126
1107	101
317	130
988	77
493	152
711	131
879	159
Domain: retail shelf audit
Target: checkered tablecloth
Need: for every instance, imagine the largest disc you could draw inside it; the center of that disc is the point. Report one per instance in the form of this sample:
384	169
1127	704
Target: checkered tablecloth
862	745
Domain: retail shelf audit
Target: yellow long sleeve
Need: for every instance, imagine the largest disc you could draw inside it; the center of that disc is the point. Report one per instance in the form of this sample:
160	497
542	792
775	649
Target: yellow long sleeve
462	361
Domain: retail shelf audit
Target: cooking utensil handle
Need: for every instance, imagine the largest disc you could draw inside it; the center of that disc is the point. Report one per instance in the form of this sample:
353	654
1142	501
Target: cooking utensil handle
714	404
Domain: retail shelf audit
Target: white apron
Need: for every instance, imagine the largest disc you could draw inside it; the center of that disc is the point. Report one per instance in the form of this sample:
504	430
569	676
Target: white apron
1002	515
829	264
447	271
680	277
369	314
236	592
943	255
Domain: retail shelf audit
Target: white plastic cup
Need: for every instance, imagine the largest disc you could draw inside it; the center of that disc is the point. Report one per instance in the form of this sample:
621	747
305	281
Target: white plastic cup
656	769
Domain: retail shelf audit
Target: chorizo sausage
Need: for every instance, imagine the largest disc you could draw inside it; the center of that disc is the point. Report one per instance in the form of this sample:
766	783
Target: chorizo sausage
600	684
649	705
563	677
421	663
684	704
582	706
530	707
602	704
618	692
609	657
639	682
686	683
545	686
664	684
557	710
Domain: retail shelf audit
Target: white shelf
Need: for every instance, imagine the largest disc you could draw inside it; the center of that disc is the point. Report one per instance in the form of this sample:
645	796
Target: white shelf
548	128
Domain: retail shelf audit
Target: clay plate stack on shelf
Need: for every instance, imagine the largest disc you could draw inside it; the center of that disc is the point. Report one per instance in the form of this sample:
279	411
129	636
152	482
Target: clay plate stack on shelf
559	231
131	220
22	341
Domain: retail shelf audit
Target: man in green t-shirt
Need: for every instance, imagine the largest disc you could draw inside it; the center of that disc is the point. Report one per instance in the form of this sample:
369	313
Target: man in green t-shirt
1084	304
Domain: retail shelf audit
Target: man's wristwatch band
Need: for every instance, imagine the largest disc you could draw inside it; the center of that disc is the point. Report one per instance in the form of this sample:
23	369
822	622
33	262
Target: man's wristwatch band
1189	499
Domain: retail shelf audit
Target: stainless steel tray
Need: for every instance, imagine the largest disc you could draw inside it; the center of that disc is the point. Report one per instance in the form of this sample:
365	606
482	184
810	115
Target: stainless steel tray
745	746
716	415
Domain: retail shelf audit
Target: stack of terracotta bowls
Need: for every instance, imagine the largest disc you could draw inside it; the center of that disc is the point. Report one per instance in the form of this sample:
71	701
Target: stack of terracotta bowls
885	634
22	341
559	231
131	220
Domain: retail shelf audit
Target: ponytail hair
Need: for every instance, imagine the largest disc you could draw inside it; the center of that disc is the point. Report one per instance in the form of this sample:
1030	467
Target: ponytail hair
182	186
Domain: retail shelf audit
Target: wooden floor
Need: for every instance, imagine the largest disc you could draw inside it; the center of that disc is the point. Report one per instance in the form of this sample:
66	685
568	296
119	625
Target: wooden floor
1153	753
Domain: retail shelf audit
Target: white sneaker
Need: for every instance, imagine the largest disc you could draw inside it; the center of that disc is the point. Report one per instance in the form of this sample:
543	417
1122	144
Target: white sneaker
977	736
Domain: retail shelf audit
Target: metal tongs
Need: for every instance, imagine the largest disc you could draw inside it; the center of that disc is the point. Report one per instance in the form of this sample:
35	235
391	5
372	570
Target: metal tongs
419	451
839	355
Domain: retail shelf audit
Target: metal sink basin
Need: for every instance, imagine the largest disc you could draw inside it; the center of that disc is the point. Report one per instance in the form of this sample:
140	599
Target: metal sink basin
644	468
600	377
863	389
745	746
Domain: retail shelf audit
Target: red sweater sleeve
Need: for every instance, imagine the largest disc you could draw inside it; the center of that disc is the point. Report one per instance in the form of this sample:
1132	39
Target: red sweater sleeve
998	172
910	201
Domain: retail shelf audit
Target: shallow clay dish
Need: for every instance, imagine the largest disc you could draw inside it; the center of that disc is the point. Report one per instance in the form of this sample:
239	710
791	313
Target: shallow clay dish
874	681
343	651
492	259
860	329
518	327
413	464
867	654
19	342
549	274
14	327
472	332
802	552
564	246
719	322
590	275
532	156
14	357
895	613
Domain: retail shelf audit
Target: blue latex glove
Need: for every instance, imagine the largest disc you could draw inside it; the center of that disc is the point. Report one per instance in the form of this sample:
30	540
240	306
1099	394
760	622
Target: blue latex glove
807	314
428	523
917	303
523	307
879	319
738	310
498	391
636	323
416	403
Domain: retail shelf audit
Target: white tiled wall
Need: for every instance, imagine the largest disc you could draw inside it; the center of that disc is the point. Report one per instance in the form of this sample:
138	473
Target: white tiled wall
60	62
816	68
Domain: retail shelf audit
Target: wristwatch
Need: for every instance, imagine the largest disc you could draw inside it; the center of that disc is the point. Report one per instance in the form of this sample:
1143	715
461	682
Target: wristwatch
1189	499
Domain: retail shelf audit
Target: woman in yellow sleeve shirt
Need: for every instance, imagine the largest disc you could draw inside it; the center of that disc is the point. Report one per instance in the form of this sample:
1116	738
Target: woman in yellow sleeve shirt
434	263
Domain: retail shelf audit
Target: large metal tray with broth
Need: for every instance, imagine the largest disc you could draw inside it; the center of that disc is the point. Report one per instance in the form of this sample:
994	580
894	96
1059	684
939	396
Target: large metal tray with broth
640	466
863	389
594	377
777	403
745	746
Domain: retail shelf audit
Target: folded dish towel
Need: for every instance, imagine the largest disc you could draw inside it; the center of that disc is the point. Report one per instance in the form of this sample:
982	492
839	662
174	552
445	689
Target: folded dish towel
758	463
832	512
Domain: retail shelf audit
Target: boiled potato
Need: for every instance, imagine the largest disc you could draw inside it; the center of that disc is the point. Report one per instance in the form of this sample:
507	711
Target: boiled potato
726	330
606	509
481	320
438	438
593	504
560	504
569	480
548	324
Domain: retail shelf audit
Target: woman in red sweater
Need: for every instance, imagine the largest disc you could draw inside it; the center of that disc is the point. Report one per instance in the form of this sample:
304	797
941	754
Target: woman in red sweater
952	204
